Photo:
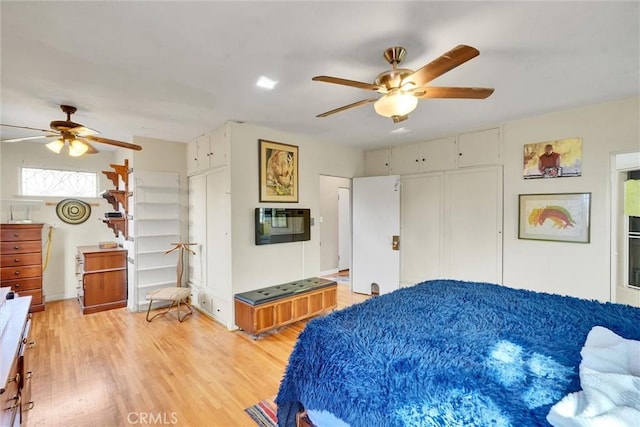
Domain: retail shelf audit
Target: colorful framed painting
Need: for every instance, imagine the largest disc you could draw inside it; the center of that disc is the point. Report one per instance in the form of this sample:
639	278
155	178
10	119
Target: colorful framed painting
278	172
562	217
553	159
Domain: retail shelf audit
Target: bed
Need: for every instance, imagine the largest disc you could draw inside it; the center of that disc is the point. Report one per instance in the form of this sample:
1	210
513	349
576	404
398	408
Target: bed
445	353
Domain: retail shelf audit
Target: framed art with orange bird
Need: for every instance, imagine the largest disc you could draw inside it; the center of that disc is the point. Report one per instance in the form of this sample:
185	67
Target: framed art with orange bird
561	217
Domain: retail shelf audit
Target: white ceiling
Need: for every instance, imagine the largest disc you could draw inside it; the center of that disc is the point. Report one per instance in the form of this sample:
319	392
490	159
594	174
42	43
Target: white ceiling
174	70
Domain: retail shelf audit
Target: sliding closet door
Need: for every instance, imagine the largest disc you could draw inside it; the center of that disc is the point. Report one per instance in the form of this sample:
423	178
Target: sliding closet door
421	228
473	224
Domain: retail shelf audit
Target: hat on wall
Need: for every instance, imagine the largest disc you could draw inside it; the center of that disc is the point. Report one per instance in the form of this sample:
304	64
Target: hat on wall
73	211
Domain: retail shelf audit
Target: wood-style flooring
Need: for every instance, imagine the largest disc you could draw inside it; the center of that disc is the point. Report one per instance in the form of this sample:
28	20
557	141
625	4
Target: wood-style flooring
113	368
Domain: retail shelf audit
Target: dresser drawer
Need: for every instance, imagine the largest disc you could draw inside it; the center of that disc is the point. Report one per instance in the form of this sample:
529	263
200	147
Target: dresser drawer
7	248
20	259
16	235
105	261
10	398
22	284
7	273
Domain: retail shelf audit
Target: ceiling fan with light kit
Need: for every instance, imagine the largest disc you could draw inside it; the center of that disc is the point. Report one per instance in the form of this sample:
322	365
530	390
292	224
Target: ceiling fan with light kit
401	88
72	135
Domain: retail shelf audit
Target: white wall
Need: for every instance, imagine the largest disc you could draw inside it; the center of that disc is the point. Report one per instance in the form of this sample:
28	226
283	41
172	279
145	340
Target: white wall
254	266
567	268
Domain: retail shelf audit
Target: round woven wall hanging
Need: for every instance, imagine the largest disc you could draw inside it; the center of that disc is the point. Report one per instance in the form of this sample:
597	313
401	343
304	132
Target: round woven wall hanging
73	211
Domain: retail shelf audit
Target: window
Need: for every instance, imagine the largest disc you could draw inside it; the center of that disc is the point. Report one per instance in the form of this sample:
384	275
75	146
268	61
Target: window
53	182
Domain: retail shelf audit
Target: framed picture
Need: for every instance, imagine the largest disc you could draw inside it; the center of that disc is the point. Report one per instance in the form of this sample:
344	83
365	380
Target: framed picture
278	172
555	217
553	159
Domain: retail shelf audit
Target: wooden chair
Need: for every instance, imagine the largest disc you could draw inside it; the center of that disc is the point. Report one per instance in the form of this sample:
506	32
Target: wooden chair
176	295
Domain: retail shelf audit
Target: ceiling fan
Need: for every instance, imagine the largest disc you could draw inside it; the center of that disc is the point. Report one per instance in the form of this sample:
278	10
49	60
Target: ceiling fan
401	87
71	134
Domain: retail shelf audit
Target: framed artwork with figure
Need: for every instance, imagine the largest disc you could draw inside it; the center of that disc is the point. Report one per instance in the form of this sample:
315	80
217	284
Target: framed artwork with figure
278	172
553	159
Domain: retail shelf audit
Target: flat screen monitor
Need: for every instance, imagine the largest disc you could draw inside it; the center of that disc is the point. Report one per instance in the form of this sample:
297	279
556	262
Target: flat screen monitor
282	225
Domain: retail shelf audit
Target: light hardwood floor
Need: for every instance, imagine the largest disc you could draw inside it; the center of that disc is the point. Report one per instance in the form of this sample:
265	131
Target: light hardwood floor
113	368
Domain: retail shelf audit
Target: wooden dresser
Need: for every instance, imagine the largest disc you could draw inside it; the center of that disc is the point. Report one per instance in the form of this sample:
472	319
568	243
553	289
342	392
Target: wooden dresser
21	261
102	278
15	365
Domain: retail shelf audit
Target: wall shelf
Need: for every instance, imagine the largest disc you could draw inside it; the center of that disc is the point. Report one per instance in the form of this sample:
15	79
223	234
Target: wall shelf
118	198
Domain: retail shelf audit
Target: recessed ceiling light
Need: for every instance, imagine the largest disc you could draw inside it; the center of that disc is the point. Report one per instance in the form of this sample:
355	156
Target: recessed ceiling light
266	82
401	130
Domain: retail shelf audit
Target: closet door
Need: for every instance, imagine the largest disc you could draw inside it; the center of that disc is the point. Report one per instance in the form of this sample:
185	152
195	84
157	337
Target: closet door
473	225
421	228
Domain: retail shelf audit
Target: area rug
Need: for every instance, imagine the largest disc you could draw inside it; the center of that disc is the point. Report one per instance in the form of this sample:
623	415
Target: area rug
263	413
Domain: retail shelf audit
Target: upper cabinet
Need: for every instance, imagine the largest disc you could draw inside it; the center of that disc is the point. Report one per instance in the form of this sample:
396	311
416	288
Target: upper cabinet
427	156
377	162
480	148
208	151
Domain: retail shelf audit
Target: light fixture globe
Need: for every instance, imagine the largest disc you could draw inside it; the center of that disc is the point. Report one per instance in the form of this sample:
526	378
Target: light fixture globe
395	103
77	148
55	146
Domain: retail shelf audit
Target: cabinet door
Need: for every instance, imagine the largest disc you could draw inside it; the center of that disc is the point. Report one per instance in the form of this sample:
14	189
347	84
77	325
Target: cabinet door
473	230
377	162
105	287
407	159
198	230
438	155
479	148
218	148
198	154
421	228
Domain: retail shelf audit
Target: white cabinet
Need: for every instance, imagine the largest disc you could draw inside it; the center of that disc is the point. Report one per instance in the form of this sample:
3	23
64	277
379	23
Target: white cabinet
198	154
427	156
480	148
452	225
377	162
210	229
155	227
210	150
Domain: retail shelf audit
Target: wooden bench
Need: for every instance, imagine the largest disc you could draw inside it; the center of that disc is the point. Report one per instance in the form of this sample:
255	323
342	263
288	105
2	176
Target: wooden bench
269	308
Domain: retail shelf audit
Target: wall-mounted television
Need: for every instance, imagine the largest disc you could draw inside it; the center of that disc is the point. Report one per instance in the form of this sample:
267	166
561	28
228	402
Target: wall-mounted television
282	225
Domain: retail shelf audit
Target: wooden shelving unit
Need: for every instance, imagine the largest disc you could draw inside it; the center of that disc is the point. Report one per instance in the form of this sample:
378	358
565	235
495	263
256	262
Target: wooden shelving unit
118	198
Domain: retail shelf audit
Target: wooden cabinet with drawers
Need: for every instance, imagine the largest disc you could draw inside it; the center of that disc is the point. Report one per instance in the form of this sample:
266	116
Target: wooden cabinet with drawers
21	261
103	278
15	367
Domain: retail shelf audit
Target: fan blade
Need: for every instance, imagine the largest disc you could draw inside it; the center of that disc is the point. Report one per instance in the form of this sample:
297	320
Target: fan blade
345	82
28	138
26	127
447	62
453	92
346	107
114	142
83	131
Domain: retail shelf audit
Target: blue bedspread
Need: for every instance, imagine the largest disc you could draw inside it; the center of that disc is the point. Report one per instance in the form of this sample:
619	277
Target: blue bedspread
446	353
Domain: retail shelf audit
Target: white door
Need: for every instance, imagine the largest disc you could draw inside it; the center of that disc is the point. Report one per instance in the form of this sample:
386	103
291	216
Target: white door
422	228
473	243
376	220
